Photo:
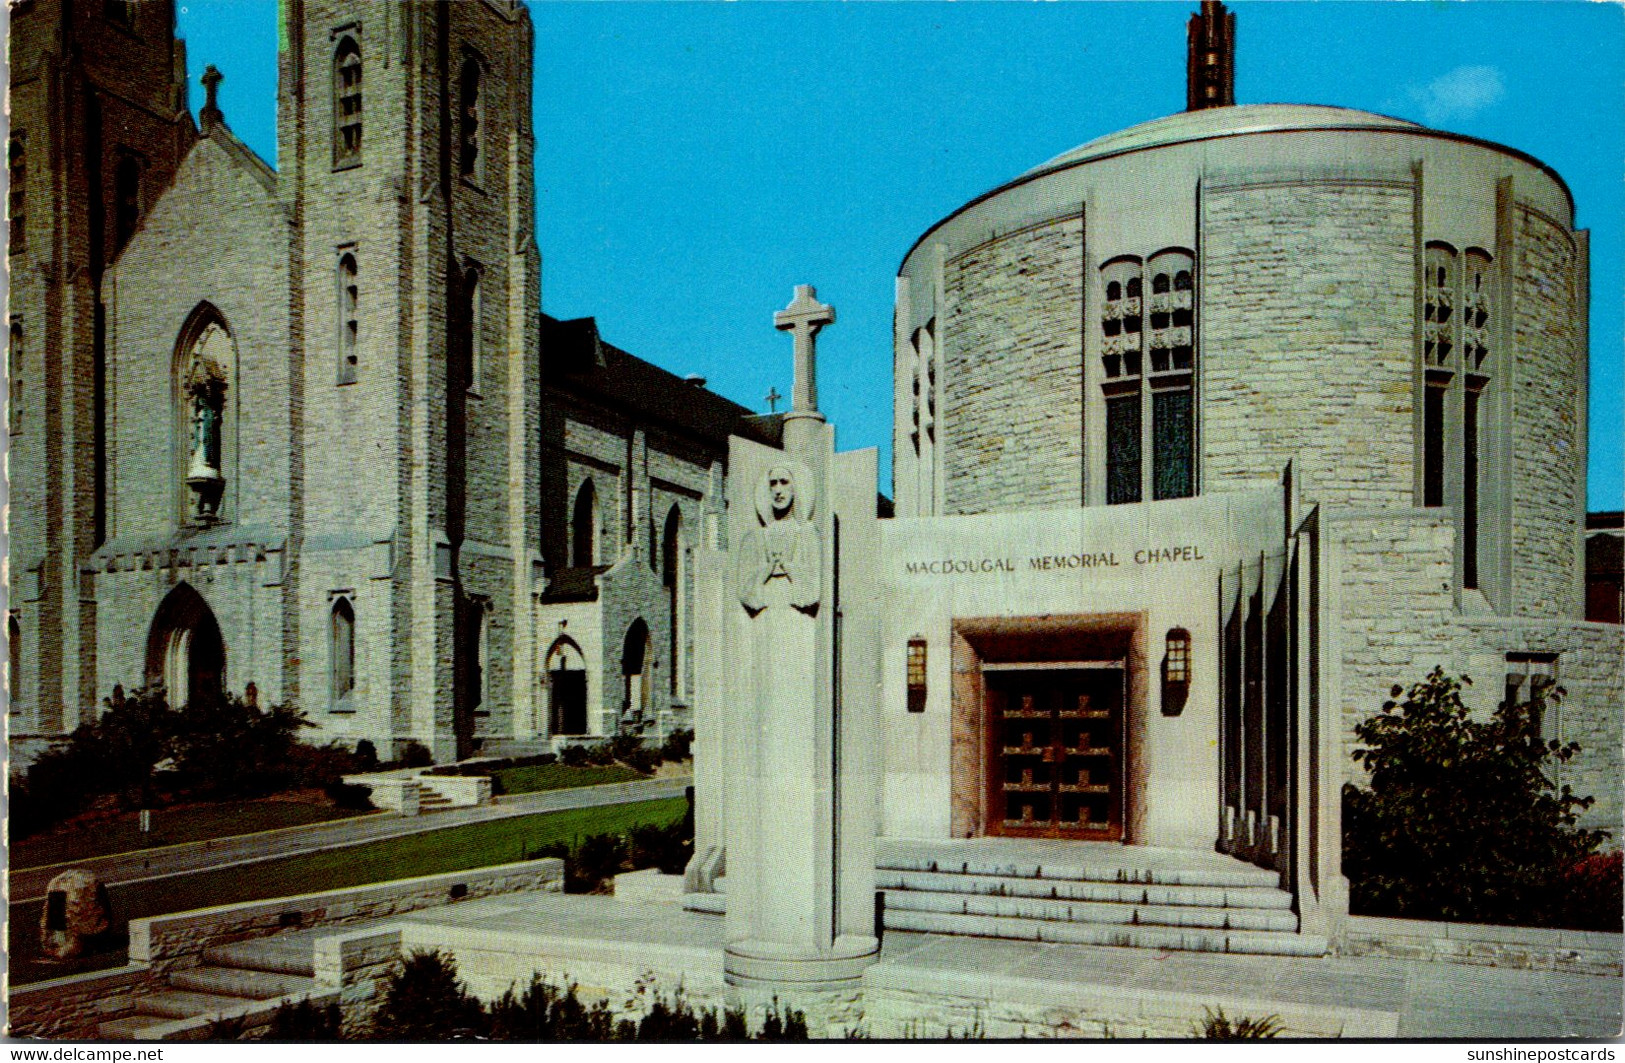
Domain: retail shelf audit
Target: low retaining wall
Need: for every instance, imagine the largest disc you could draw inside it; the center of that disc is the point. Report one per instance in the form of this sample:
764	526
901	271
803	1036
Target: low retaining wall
178	940
70	1007
1478	944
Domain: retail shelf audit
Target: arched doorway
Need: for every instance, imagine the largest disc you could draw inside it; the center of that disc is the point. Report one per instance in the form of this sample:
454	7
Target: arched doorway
185	651
636	661
566	689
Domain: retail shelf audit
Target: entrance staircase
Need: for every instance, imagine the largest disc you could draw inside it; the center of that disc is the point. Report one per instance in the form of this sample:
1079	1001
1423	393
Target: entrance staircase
249	976
1089	894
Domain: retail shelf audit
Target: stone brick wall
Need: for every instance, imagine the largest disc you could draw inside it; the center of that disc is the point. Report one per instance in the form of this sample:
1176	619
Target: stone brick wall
1395	613
1548	474
64	1008
1307	337
1478	945
1013	362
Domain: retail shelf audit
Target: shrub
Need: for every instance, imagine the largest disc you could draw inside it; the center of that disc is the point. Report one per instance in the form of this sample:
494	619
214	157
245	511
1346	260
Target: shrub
642	760
353	796
678	745
366	755
786	1025
623	744
305	1021
600	755
545	1013
1462	820
416	755
1595	890
1217	1027
574	756
229	748
426	1001
667	848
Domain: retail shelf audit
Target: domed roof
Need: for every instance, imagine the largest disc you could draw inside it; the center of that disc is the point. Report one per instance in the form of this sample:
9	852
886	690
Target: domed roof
1224	122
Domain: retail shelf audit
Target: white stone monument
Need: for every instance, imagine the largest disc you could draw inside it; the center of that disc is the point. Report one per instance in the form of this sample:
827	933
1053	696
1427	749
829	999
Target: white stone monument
795	737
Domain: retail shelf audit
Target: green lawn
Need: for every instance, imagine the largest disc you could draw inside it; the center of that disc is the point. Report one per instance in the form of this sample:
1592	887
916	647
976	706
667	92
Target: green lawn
453	849
558	776
169	827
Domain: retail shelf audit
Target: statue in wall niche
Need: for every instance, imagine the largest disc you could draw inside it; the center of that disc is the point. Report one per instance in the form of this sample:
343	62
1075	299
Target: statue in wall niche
206	390
780	562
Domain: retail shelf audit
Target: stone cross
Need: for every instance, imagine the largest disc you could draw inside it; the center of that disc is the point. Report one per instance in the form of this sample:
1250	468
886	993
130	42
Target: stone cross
773	398
211	85
803	318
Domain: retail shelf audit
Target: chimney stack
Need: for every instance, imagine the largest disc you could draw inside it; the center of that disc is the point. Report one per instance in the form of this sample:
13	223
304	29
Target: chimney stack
1210	63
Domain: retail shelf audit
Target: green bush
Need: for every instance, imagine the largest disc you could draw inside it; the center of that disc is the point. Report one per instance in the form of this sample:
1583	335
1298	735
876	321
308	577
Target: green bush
416	755
1462	820
352	796
643	760
600	755
678	745
426	1001
667	848
305	1021
366	755
573	756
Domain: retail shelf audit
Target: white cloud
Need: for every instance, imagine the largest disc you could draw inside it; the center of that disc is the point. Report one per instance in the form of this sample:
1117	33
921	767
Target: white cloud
1459	94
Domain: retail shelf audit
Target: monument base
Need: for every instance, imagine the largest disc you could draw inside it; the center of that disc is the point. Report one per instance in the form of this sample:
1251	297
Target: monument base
771	965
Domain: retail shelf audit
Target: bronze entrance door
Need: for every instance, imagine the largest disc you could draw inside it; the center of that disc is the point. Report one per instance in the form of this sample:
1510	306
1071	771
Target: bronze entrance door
1055	753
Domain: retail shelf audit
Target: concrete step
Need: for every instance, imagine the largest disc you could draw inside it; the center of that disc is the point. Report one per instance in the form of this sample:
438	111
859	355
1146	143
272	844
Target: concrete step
1255	942
237	982
265	954
186	1004
129	1028
1069	890
1172	915
1120	869
709	903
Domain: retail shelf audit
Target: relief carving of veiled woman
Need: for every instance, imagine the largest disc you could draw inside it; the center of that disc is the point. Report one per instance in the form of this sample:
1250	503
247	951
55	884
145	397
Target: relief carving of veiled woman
780	562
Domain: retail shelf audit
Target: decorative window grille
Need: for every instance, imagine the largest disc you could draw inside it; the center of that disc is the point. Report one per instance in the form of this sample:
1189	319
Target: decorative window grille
470	159
349	320
18	198
916	675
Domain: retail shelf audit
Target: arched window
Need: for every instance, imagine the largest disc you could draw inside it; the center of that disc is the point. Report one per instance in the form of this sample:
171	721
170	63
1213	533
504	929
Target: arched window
347	103
471	342
470	159
349	300
14	377
584	527
18	198
637	662
341	659
1477	307
126	199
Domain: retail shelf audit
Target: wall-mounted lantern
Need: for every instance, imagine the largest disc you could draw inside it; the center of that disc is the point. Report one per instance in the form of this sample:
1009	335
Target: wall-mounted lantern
1176	672
916	675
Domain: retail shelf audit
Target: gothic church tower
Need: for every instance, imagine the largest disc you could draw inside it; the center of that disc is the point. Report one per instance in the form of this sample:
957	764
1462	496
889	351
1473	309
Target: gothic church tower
405	169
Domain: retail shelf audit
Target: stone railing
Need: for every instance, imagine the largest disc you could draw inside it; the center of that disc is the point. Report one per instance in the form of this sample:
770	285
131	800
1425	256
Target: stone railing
1479	944
460	790
169	941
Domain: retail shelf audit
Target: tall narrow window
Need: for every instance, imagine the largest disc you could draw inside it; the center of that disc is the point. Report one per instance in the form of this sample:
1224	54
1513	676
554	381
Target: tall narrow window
1121	315
470	159
14	378
349	320
347	103
1173	362
671	578
14	677
126	199
473	338
584	527
19	194
342	654
1476	312
1439	361
916	675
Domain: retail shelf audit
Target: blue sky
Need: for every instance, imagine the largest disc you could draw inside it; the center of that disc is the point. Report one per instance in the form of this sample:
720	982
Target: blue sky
696	161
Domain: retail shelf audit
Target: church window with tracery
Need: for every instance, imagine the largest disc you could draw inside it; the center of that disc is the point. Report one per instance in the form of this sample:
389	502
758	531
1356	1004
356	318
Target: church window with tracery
1476	307
1438	354
1120	357
347	110
342	666
470	159
349	319
1148	363
1173	358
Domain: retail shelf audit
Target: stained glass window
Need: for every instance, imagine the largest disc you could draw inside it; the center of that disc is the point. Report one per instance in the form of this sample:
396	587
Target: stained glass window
1123	448
1171	444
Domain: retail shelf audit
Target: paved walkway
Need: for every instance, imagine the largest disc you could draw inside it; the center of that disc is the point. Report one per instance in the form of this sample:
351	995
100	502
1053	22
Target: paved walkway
1410	999
291	841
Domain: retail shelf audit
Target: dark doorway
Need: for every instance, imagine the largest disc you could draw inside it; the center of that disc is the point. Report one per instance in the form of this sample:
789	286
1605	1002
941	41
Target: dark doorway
185	651
568	699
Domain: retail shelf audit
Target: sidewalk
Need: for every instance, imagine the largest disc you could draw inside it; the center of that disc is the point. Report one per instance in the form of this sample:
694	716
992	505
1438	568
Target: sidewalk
207	855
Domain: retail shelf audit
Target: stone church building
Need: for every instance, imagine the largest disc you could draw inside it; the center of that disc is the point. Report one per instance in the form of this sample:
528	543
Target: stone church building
1207	433
306	428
